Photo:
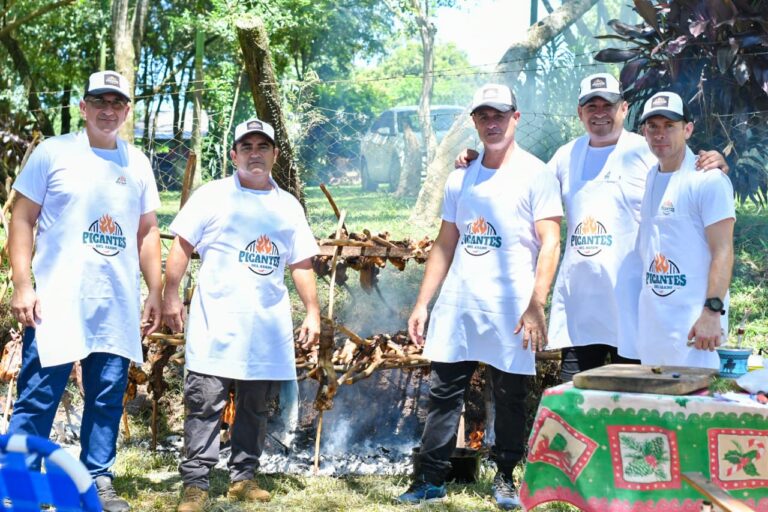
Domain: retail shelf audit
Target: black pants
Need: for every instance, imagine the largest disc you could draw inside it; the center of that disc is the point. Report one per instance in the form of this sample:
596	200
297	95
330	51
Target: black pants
205	397
448	382
579	359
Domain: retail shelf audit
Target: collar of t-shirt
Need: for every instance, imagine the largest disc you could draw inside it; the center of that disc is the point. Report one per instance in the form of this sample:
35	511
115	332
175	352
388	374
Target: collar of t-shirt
484	174
658	188
275	189
110	155
594	161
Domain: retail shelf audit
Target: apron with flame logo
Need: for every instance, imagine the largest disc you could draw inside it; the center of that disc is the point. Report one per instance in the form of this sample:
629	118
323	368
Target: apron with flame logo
595	295
675	268
490	281
240	322
86	263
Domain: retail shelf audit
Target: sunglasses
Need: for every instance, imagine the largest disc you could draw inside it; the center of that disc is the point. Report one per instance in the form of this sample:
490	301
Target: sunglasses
101	103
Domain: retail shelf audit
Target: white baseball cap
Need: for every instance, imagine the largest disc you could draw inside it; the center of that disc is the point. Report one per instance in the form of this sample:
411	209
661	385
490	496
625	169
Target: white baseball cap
496	96
103	82
667	104
599	85
254	125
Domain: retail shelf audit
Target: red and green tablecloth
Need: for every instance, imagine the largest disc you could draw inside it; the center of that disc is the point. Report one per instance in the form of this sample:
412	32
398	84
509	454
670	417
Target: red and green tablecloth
626	452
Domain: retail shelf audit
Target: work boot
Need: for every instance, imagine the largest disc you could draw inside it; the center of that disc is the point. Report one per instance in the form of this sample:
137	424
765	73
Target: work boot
247	490
504	492
109	499
422	490
193	499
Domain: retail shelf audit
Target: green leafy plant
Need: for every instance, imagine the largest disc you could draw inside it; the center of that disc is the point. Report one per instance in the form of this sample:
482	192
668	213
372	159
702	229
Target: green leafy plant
715	55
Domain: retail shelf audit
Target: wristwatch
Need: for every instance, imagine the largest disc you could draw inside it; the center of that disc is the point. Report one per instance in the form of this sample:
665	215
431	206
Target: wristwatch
715	304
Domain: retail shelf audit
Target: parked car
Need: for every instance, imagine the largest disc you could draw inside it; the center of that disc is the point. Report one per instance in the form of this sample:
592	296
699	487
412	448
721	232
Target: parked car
383	145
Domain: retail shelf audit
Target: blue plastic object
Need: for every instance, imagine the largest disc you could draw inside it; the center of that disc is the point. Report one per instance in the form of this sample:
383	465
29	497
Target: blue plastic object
64	484
733	361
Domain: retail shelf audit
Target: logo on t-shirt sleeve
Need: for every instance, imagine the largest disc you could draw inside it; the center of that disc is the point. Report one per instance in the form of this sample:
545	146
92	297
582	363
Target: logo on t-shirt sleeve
105	236
260	256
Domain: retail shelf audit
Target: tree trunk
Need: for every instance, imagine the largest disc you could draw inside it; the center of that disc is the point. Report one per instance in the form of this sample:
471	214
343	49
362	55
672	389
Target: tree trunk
197	107
22	68
427	209
255	45
411	165
427	32
122	43
127	35
66	115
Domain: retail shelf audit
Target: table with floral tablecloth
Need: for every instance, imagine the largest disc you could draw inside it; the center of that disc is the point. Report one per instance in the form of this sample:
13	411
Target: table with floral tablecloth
612	451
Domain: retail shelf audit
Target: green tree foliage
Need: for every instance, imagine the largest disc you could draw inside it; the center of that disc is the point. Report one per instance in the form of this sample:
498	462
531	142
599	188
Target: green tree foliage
714	55
397	78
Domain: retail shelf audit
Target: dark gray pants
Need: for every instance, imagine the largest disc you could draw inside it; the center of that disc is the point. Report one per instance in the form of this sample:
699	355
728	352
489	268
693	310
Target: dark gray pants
448	382
205	397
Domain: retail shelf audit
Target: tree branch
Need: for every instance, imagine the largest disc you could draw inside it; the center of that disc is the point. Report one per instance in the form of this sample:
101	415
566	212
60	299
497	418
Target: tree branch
35	14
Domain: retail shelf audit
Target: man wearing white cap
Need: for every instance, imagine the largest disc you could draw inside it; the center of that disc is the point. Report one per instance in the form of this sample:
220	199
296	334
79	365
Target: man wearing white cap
93	197
247	231
602	174
686	245
495	256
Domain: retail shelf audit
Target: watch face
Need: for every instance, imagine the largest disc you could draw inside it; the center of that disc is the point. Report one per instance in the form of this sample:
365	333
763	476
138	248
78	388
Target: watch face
714	304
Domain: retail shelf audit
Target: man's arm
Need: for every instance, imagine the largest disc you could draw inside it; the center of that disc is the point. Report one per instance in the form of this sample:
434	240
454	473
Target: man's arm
709	160
706	330
175	266
25	305
438	263
532	321
151	267
304	278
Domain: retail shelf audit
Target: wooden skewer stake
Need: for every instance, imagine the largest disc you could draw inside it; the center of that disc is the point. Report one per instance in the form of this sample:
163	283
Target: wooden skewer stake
331	291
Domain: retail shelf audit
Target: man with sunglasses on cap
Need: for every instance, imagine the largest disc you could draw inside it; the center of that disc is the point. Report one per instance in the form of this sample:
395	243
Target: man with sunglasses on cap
495	256
686	245
93	197
247	231
602	174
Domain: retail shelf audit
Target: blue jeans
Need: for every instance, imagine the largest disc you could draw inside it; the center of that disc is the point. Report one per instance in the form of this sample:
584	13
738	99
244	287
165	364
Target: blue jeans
105	377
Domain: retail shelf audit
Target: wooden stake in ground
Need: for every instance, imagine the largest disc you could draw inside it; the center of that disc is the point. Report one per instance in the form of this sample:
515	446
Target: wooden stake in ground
325	352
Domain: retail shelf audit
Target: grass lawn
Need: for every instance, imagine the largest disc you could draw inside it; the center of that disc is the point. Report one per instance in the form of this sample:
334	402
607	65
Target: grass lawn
151	481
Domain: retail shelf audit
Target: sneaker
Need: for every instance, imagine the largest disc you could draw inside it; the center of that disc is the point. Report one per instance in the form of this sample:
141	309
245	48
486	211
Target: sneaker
421	490
108	498
193	499
504	493
247	490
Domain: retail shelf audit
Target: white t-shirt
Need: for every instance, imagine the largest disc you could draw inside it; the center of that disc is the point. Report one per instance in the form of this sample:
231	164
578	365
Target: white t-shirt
594	161
86	264
491	277
240	317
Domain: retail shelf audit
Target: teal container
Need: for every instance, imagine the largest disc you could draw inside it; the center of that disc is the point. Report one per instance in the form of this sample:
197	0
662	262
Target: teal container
733	361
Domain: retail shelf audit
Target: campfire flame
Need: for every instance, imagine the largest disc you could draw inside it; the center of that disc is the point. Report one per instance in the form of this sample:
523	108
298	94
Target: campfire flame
476	439
479	226
107	225
662	265
228	416
588	226
264	245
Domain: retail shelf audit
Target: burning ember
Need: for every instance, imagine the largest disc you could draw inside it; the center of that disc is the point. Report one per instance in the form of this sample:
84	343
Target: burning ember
476	438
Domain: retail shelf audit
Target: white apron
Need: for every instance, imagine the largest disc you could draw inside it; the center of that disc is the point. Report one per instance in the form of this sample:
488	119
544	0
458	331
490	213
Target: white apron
490	281
240	324
86	263
675	265
595	295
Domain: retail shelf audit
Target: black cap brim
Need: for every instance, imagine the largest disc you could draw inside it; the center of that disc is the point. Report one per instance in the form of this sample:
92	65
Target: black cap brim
107	90
501	107
669	114
610	97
